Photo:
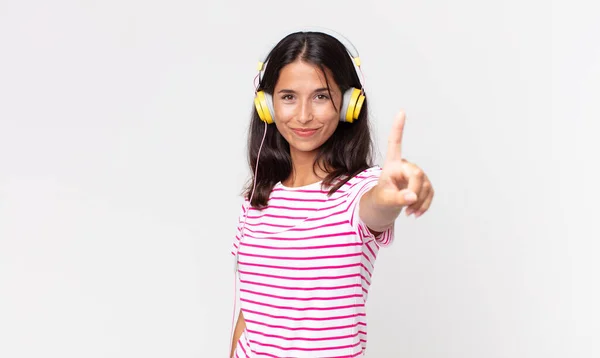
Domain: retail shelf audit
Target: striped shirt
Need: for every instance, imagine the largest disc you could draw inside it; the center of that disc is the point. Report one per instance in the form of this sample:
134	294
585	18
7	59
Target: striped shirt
305	264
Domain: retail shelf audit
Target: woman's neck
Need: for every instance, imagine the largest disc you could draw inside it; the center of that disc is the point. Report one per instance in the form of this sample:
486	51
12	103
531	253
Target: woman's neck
304	172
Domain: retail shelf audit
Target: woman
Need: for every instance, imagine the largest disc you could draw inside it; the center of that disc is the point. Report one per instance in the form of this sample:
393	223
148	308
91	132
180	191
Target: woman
317	210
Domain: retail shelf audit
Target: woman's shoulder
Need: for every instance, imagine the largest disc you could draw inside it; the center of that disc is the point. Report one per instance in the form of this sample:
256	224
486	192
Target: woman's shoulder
366	176
369	174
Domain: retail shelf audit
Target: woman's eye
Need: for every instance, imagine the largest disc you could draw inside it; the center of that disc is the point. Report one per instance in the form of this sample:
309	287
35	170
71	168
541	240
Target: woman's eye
322	96
287	97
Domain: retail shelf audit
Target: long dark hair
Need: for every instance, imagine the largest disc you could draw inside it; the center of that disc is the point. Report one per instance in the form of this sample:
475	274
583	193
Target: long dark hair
346	153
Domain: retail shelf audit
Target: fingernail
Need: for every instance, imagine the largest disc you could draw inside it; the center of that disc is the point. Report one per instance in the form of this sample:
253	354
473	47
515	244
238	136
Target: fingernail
418	214
410	196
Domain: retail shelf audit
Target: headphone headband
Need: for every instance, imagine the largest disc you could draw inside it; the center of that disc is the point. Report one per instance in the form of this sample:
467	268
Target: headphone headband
350	48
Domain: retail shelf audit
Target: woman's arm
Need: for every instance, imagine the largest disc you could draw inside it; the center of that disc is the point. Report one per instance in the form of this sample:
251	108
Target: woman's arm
239	328
378	218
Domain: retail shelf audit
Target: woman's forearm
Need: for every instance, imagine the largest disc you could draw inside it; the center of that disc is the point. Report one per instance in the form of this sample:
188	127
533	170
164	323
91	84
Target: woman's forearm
378	218
239	328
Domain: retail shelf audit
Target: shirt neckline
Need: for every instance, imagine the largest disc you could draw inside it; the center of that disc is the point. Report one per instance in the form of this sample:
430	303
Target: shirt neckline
303	187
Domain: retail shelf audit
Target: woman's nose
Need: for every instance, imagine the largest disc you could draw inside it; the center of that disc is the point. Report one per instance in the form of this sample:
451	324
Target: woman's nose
305	114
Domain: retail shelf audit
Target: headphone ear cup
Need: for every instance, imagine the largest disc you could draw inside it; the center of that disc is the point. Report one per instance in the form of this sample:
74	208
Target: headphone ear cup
270	108
264	106
359	104
352	102
259	109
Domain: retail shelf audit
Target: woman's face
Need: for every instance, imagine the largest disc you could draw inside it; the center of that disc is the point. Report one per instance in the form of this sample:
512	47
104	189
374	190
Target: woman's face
304	113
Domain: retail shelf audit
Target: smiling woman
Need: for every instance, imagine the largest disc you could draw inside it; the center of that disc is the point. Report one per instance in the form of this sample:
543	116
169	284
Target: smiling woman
319	83
317	210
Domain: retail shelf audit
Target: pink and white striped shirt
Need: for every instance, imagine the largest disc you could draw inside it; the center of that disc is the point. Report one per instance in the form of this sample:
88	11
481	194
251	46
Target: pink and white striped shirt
305	265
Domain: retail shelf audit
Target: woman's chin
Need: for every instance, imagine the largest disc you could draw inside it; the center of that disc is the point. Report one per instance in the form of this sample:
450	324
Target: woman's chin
304	147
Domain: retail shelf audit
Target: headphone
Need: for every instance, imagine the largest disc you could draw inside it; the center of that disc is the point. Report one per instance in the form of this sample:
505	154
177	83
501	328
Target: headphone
352	100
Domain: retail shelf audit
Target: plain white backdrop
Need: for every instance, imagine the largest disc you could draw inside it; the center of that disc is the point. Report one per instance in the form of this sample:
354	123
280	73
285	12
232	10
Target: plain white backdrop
122	156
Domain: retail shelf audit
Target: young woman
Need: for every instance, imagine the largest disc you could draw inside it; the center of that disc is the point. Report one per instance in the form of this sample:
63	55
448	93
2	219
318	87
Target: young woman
317	210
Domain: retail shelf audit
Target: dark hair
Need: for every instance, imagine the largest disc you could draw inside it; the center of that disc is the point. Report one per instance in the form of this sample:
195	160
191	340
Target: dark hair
349	149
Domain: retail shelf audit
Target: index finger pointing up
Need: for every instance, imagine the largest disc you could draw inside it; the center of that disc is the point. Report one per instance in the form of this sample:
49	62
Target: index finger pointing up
395	139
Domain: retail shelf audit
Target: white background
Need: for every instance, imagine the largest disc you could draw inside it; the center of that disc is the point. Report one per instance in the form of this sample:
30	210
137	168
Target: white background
122	154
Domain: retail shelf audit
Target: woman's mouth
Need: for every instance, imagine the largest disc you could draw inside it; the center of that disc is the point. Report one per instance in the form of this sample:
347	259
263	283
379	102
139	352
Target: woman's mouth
304	132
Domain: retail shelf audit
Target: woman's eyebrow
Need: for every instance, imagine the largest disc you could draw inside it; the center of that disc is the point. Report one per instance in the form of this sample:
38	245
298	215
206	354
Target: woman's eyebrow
285	90
322	89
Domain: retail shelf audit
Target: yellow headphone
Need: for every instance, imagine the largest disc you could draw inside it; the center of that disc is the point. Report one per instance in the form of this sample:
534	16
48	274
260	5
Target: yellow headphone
352	100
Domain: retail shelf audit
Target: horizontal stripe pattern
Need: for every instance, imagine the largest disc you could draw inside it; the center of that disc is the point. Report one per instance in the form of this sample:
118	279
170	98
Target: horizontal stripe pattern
305	264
